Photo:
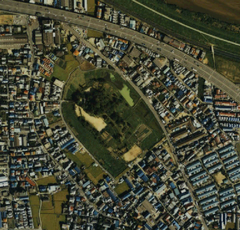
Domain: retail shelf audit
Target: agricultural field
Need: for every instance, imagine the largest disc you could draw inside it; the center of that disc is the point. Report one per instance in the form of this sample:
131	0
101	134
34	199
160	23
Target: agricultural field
63	67
34	201
52	221
228	68
51	211
128	120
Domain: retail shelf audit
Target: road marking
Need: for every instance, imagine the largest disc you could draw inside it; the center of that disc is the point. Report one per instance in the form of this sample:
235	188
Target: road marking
182	24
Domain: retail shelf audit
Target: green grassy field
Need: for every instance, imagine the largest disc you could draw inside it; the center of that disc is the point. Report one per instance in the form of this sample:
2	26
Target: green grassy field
94	173
47	180
228	68
196	20
51	212
94	34
63	68
80	158
34	202
121	188
91	6
52	221
124	118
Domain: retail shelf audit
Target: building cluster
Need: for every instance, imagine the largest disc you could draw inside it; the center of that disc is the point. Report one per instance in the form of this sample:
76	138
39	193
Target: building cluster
110	14
79	6
213	176
199	128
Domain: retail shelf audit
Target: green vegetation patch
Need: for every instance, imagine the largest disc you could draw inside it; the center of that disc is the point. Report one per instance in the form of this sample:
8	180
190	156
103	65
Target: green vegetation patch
121	188
128	119
63	67
125	92
201	87
35	204
94	34
113	165
47	180
91	6
52	221
228	68
95	173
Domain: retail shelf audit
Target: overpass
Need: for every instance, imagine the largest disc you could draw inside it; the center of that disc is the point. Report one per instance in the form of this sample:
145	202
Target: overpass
149	42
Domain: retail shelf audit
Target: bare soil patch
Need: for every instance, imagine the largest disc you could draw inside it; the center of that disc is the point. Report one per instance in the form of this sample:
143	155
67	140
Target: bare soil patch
97	122
219	177
86	65
6	19
132	153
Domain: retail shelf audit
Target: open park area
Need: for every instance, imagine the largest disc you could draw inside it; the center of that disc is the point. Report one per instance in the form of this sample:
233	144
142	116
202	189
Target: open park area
112	118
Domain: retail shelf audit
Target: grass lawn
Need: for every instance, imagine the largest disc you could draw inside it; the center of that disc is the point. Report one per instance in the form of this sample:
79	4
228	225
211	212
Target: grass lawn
95	173
47	206
51	211
121	188
34	201
47	180
125	92
11	223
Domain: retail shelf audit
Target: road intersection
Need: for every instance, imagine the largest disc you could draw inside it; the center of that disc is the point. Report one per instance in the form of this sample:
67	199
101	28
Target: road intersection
149	42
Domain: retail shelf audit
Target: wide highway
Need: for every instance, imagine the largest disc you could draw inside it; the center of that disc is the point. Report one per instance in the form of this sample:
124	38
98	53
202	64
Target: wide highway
89	22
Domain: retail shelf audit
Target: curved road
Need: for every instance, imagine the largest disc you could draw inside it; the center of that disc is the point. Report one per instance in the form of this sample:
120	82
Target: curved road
86	21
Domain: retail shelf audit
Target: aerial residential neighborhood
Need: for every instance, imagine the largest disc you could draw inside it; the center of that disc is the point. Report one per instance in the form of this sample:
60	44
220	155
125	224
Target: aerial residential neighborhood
110	120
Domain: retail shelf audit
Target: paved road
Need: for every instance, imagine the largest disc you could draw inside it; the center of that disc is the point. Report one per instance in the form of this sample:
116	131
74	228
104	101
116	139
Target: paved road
86	21
144	98
169	31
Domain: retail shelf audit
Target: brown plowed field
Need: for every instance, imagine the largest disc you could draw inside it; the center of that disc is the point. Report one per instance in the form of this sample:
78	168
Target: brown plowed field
226	10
